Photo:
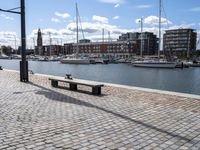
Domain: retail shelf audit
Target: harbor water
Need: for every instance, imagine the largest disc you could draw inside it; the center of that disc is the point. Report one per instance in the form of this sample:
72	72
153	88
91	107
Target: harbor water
185	80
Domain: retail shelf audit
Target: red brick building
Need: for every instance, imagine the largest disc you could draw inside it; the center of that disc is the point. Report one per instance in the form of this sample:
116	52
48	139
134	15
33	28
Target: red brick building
127	45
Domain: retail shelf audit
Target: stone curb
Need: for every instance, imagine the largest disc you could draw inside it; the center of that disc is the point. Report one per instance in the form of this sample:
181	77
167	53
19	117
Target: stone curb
186	95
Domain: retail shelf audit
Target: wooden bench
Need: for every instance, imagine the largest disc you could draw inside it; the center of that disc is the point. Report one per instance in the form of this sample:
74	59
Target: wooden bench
96	87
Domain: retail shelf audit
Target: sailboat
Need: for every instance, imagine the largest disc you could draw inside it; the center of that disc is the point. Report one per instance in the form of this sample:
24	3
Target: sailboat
154	63
75	58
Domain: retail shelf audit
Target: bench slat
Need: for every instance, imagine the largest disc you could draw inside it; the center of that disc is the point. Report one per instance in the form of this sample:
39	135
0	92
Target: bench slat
77	81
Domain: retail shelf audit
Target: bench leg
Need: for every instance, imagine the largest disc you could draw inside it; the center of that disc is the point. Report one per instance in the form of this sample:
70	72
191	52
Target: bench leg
54	83
96	90
73	87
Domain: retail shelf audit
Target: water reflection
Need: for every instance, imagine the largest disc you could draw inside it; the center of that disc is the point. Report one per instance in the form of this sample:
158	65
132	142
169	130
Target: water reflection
180	80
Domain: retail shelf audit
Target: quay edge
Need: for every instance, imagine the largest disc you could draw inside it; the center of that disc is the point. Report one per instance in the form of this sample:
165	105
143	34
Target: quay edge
178	94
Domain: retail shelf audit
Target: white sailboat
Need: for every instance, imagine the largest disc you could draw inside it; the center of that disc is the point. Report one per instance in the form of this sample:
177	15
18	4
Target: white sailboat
75	58
154	63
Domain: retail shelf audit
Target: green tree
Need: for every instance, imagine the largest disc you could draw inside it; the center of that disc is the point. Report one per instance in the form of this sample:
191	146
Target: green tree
7	50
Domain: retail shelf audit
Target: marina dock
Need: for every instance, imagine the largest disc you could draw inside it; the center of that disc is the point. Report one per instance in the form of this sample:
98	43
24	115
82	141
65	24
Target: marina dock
35	115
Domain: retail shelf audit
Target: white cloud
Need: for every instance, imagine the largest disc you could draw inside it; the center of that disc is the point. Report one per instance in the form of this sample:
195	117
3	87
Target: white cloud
115	17
184	26
196	9
100	19
55	20
53	32
8	38
117	5
6	17
57	36
144	6
154	20
112	1
95	27
98	37
62	15
137	21
8	34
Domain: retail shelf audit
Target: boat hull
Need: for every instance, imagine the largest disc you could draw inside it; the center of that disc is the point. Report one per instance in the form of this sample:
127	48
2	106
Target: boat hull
75	61
154	64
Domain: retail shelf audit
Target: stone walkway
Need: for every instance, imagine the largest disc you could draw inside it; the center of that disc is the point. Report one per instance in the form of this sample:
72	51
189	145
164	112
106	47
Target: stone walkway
37	116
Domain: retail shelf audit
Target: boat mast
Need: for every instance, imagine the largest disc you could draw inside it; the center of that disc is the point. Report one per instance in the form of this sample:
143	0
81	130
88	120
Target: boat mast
50	42
141	42
159	46
77	49
103	35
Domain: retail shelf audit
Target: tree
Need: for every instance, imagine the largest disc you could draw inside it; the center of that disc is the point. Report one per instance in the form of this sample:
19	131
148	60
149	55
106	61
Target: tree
7	50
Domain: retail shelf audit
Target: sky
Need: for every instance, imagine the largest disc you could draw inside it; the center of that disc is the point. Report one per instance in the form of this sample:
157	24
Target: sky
56	19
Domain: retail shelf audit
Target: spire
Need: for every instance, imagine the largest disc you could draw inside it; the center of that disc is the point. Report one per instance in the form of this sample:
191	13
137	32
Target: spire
39	42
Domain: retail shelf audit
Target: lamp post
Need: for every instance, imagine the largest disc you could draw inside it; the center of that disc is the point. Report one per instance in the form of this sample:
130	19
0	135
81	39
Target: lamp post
23	62
141	37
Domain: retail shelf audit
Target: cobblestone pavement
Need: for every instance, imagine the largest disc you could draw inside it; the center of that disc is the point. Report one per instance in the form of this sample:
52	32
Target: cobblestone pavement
37	116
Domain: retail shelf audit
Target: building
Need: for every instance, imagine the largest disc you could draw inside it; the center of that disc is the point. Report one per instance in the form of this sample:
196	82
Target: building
84	41
47	50
149	40
129	36
106	49
180	42
39	47
52	50
150	43
126	46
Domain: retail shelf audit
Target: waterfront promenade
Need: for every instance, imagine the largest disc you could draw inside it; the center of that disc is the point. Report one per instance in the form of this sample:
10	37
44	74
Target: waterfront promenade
36	116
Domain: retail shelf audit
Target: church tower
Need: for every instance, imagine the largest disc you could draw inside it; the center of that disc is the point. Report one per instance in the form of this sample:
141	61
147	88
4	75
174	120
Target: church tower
39	43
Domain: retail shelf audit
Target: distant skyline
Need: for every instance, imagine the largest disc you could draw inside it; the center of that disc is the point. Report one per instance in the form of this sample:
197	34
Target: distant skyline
57	18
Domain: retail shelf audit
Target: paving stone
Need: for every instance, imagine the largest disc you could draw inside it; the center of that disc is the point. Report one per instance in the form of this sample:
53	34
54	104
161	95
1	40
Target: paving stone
37	116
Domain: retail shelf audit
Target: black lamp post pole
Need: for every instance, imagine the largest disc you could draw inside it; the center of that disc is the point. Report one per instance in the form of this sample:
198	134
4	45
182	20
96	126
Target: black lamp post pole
23	62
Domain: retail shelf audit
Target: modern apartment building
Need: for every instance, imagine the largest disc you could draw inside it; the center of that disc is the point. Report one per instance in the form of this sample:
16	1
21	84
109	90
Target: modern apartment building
180	42
149	41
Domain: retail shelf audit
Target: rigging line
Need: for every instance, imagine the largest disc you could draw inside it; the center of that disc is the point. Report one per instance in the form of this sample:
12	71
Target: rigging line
81	25
165	14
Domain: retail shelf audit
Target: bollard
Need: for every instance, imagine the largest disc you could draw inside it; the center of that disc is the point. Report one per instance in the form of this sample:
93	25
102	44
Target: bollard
68	76
31	72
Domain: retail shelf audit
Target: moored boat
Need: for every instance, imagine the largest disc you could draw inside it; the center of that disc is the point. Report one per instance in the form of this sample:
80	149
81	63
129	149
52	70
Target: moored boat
75	61
75	58
154	64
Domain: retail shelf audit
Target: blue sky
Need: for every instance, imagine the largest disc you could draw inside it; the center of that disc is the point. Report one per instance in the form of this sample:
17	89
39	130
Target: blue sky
117	16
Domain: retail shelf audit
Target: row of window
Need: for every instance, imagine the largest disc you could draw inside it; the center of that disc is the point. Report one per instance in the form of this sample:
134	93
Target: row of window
107	51
176	39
